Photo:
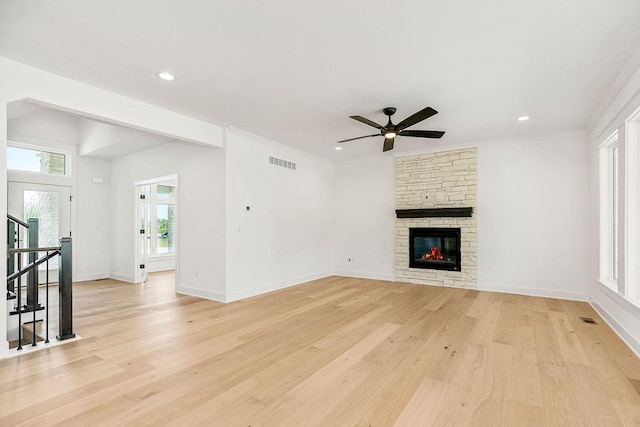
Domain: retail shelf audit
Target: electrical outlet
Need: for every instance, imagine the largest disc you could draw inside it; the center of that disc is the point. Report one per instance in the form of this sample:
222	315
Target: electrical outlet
197	273
351	260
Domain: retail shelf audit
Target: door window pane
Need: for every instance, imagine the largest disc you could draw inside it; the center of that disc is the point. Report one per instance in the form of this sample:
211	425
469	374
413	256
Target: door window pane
166	228
44	205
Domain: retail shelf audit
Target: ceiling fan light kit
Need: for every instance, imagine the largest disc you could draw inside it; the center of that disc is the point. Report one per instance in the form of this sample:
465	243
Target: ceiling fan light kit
390	131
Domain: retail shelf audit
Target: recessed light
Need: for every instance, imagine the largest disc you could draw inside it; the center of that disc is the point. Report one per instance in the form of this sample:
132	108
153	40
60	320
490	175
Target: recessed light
338	148
165	76
523	118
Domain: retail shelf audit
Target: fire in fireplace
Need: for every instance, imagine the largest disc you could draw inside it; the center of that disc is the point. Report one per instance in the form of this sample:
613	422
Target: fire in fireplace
434	248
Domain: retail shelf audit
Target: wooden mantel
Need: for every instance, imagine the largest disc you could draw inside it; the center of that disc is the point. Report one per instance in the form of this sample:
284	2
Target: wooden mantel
434	213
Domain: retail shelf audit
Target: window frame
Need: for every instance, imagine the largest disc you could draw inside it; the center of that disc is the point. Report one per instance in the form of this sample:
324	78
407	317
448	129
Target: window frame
631	286
610	200
153	200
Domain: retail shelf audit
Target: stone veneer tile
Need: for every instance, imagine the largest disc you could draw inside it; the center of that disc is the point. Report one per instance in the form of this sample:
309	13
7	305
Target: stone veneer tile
438	180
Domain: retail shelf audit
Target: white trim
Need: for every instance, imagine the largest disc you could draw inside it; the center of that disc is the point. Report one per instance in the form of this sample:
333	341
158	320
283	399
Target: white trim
618	100
365	275
613	286
162	257
90	276
534	292
43	145
606	171
631	285
620	330
173	179
627	303
201	293
122	277
270	287
40	178
22	141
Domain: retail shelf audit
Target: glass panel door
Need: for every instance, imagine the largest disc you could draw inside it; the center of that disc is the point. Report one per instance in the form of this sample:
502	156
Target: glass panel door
51	204
144	229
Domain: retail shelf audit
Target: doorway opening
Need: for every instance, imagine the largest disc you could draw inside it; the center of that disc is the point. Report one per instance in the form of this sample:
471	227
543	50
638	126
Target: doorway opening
156	232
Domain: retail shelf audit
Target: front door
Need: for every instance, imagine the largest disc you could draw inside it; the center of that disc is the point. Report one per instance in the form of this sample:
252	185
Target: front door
51	204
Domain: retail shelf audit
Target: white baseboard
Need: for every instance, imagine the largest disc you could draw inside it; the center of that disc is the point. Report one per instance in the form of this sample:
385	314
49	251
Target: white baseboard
534	292
4	348
622	332
270	287
201	293
90	276
122	277
365	275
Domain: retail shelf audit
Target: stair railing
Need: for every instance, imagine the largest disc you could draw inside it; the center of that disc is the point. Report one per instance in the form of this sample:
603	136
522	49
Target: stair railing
14	279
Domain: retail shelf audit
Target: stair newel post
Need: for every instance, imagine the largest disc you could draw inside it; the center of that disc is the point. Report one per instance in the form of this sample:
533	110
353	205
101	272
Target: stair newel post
32	275
65	293
11	244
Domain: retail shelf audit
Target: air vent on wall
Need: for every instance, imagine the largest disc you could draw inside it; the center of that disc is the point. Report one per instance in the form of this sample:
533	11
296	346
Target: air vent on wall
282	163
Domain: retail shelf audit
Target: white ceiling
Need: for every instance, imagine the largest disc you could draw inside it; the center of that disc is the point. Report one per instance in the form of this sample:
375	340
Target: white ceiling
293	71
32	123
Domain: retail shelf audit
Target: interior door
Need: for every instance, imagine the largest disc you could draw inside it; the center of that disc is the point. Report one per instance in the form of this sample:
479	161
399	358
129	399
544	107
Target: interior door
144	232
51	204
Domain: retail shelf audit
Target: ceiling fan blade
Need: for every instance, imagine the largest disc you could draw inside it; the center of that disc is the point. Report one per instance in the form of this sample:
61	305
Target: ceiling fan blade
360	137
388	144
416	118
422	133
367	122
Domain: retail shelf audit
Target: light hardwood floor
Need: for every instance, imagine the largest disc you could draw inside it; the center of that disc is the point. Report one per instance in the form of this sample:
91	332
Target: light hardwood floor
333	352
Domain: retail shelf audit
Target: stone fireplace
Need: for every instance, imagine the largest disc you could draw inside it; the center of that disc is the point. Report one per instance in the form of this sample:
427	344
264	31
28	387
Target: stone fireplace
436	224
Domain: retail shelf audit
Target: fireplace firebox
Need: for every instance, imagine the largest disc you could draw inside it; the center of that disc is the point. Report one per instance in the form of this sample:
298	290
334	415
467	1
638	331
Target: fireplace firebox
434	248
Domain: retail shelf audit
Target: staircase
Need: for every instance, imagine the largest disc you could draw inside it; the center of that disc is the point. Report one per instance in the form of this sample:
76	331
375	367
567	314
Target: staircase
29	306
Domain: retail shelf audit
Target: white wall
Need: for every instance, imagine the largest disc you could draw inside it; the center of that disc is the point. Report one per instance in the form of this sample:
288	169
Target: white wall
200	241
533	228
287	235
91	235
533	222
365	218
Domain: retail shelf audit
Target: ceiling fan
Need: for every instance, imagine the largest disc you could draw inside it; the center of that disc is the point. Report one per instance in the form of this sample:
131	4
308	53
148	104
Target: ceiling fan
390	131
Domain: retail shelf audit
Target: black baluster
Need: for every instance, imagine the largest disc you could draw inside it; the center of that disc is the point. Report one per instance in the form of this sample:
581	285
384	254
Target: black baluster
33	325
46	341
19	303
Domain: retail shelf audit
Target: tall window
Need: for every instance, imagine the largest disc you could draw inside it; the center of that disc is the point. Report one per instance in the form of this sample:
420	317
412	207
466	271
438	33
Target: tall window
631	287
614	214
609	201
161	226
